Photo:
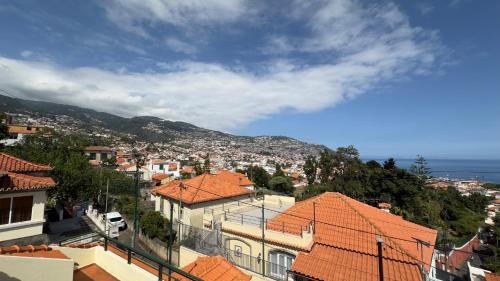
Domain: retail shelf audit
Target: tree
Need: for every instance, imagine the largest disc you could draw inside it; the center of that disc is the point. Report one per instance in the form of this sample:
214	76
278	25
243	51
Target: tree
258	175
197	168
372	164
310	168
153	224
279	171
206	164
420	167
390	164
281	184
325	165
4	130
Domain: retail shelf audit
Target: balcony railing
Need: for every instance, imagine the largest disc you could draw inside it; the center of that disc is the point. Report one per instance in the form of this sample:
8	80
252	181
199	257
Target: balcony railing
165	271
211	243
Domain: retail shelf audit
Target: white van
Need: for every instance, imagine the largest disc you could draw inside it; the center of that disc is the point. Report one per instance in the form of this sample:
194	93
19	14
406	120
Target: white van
115	219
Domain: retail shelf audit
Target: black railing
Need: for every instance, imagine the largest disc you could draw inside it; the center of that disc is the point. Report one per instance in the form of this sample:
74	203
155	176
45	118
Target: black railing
165	271
212	243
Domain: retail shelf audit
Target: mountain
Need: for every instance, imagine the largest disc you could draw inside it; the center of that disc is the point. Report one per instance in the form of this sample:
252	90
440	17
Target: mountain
181	136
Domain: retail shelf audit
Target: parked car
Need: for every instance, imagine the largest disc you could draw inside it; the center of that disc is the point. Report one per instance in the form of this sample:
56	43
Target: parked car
115	218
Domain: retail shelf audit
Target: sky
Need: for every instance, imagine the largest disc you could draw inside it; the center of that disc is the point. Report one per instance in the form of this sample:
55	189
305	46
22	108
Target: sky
392	78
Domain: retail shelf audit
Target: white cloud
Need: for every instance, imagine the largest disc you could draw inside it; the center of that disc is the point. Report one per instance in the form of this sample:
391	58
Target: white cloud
134	15
425	8
26	54
180	46
363	46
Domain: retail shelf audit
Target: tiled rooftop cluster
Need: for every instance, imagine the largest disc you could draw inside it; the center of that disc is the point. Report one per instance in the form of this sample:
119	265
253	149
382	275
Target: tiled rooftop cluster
17	175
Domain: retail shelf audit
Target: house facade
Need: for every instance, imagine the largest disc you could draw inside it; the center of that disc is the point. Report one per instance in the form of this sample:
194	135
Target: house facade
191	198
327	237
22	197
98	154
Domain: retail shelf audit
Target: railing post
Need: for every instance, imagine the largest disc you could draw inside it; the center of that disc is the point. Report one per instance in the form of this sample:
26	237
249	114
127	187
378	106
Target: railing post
105	243
241	219
160	272
129	256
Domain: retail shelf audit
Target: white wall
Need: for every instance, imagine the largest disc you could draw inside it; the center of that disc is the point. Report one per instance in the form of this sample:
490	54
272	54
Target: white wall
35	269
28	228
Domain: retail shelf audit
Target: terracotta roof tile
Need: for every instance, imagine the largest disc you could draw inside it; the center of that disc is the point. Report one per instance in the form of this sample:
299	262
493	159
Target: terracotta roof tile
491	276
214	269
159	176
39	251
234	177
13	164
202	188
92	272
96	148
21	182
348	226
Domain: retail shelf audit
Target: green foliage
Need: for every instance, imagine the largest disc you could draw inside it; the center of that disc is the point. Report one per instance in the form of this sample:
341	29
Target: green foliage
258	175
492	186
281	184
4	130
342	171
154	225
310	168
279	171
198	169
420	167
125	204
75	178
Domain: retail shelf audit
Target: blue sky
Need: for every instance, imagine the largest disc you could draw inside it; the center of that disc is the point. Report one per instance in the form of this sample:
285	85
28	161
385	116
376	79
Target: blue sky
392	78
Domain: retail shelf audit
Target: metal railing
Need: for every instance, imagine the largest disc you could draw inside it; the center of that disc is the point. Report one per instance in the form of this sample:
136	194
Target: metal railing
164	270
212	243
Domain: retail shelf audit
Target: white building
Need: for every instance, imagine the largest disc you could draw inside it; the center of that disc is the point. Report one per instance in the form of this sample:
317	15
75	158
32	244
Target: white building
22	197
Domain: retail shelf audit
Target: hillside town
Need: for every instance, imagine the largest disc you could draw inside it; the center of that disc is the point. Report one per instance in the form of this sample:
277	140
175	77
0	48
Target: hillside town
237	140
194	215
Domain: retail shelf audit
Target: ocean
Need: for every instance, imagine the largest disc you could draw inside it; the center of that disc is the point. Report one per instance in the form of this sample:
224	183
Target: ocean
483	170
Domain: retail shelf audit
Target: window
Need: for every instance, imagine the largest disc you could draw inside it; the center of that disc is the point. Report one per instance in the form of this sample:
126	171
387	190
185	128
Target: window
161	204
92	156
237	250
4	210
104	156
16	209
21	208
161	167
280	263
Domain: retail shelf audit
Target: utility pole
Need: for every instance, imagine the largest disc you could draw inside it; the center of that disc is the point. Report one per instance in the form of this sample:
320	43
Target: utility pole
263	242
380	241
134	230
106	208
170	238
314	217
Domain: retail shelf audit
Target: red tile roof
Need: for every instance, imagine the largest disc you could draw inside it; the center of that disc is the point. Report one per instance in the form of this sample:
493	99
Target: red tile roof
38	251
97	149
214	269
347	229
234	177
457	258
92	272
159	176
13	164
187	170
202	188
20	182
491	276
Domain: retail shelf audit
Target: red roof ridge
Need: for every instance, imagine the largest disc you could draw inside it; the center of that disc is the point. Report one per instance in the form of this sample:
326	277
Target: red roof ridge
11	163
383	233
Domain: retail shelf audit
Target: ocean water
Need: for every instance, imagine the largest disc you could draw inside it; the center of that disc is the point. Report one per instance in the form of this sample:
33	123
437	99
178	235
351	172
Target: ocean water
483	170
